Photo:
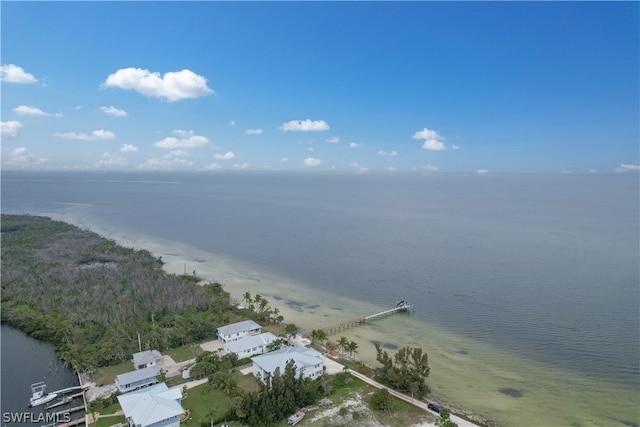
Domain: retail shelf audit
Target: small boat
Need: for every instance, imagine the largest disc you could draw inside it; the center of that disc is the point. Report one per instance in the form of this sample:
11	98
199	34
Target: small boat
37	395
295	418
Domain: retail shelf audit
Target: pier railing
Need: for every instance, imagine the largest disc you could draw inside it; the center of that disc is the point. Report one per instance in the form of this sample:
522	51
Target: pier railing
401	307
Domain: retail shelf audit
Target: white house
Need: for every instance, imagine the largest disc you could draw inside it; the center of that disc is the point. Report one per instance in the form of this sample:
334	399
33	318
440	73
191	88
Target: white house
147	358
308	362
236	331
138	379
250	345
156	406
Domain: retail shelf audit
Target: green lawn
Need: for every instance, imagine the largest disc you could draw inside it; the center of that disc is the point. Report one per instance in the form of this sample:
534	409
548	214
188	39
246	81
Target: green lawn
109	421
202	402
246	382
107	374
186	352
112	409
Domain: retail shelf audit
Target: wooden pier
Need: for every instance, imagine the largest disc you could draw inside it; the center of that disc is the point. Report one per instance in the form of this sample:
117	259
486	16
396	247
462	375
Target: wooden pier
401	306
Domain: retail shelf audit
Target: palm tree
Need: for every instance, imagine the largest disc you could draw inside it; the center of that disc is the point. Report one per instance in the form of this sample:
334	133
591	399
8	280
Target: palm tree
343	343
257	299
246	297
352	347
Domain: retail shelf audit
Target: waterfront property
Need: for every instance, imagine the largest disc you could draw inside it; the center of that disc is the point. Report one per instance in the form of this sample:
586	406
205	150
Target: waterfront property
137	379
147	358
239	330
308	362
250	345
156	406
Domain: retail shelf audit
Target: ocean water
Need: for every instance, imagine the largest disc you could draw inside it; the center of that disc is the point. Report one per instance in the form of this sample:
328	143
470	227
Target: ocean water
524	282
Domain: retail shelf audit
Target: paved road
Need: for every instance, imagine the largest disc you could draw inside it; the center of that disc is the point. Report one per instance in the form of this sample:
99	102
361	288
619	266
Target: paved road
420	404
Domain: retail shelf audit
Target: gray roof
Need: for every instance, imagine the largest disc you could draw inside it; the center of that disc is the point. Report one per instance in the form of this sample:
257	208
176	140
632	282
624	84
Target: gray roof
152	404
234	328
301	356
145	357
250	342
140	374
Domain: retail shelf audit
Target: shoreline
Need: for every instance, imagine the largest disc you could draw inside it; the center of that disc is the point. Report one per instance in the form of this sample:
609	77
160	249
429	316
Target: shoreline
462	370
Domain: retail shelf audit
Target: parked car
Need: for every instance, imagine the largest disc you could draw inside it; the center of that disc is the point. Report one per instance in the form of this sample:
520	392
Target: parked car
434	407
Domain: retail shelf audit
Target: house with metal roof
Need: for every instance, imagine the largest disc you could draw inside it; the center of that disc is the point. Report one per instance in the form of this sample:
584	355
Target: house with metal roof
250	345
308	362
155	406
146	358
239	330
137	379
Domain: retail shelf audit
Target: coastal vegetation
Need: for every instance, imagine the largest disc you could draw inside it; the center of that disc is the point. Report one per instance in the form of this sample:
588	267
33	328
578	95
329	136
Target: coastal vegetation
96	301
406	372
99	302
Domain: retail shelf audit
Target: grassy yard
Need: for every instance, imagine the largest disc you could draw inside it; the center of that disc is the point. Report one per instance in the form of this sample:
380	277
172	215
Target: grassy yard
112	409
107	374
109	421
202	402
186	352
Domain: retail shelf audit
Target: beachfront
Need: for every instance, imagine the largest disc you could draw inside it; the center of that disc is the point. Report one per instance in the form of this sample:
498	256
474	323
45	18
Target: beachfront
466	375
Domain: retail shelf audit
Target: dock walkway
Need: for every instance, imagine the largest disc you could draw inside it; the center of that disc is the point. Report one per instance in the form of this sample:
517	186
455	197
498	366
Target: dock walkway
401	306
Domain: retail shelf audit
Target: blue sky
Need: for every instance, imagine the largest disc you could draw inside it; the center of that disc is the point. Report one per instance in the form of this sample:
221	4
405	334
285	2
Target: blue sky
359	87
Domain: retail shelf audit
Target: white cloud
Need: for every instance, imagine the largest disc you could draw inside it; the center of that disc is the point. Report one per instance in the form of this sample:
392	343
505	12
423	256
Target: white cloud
284	159
361	169
311	149
103	134
187	139
183	162
387	153
455	147
226	156
113	111
174	86
593	170
432	139
95	135
433	145
166	163
10	129
154	164
21	158
129	148
627	167
110	161
392	169
176	153
333	140
482	171
24	110
13	74
430	168
212	167
310	161
241	166
253	131
232	123
354	145
304	125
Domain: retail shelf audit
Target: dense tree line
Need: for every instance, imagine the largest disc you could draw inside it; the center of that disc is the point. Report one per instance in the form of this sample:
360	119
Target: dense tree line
92	297
279	397
407	371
